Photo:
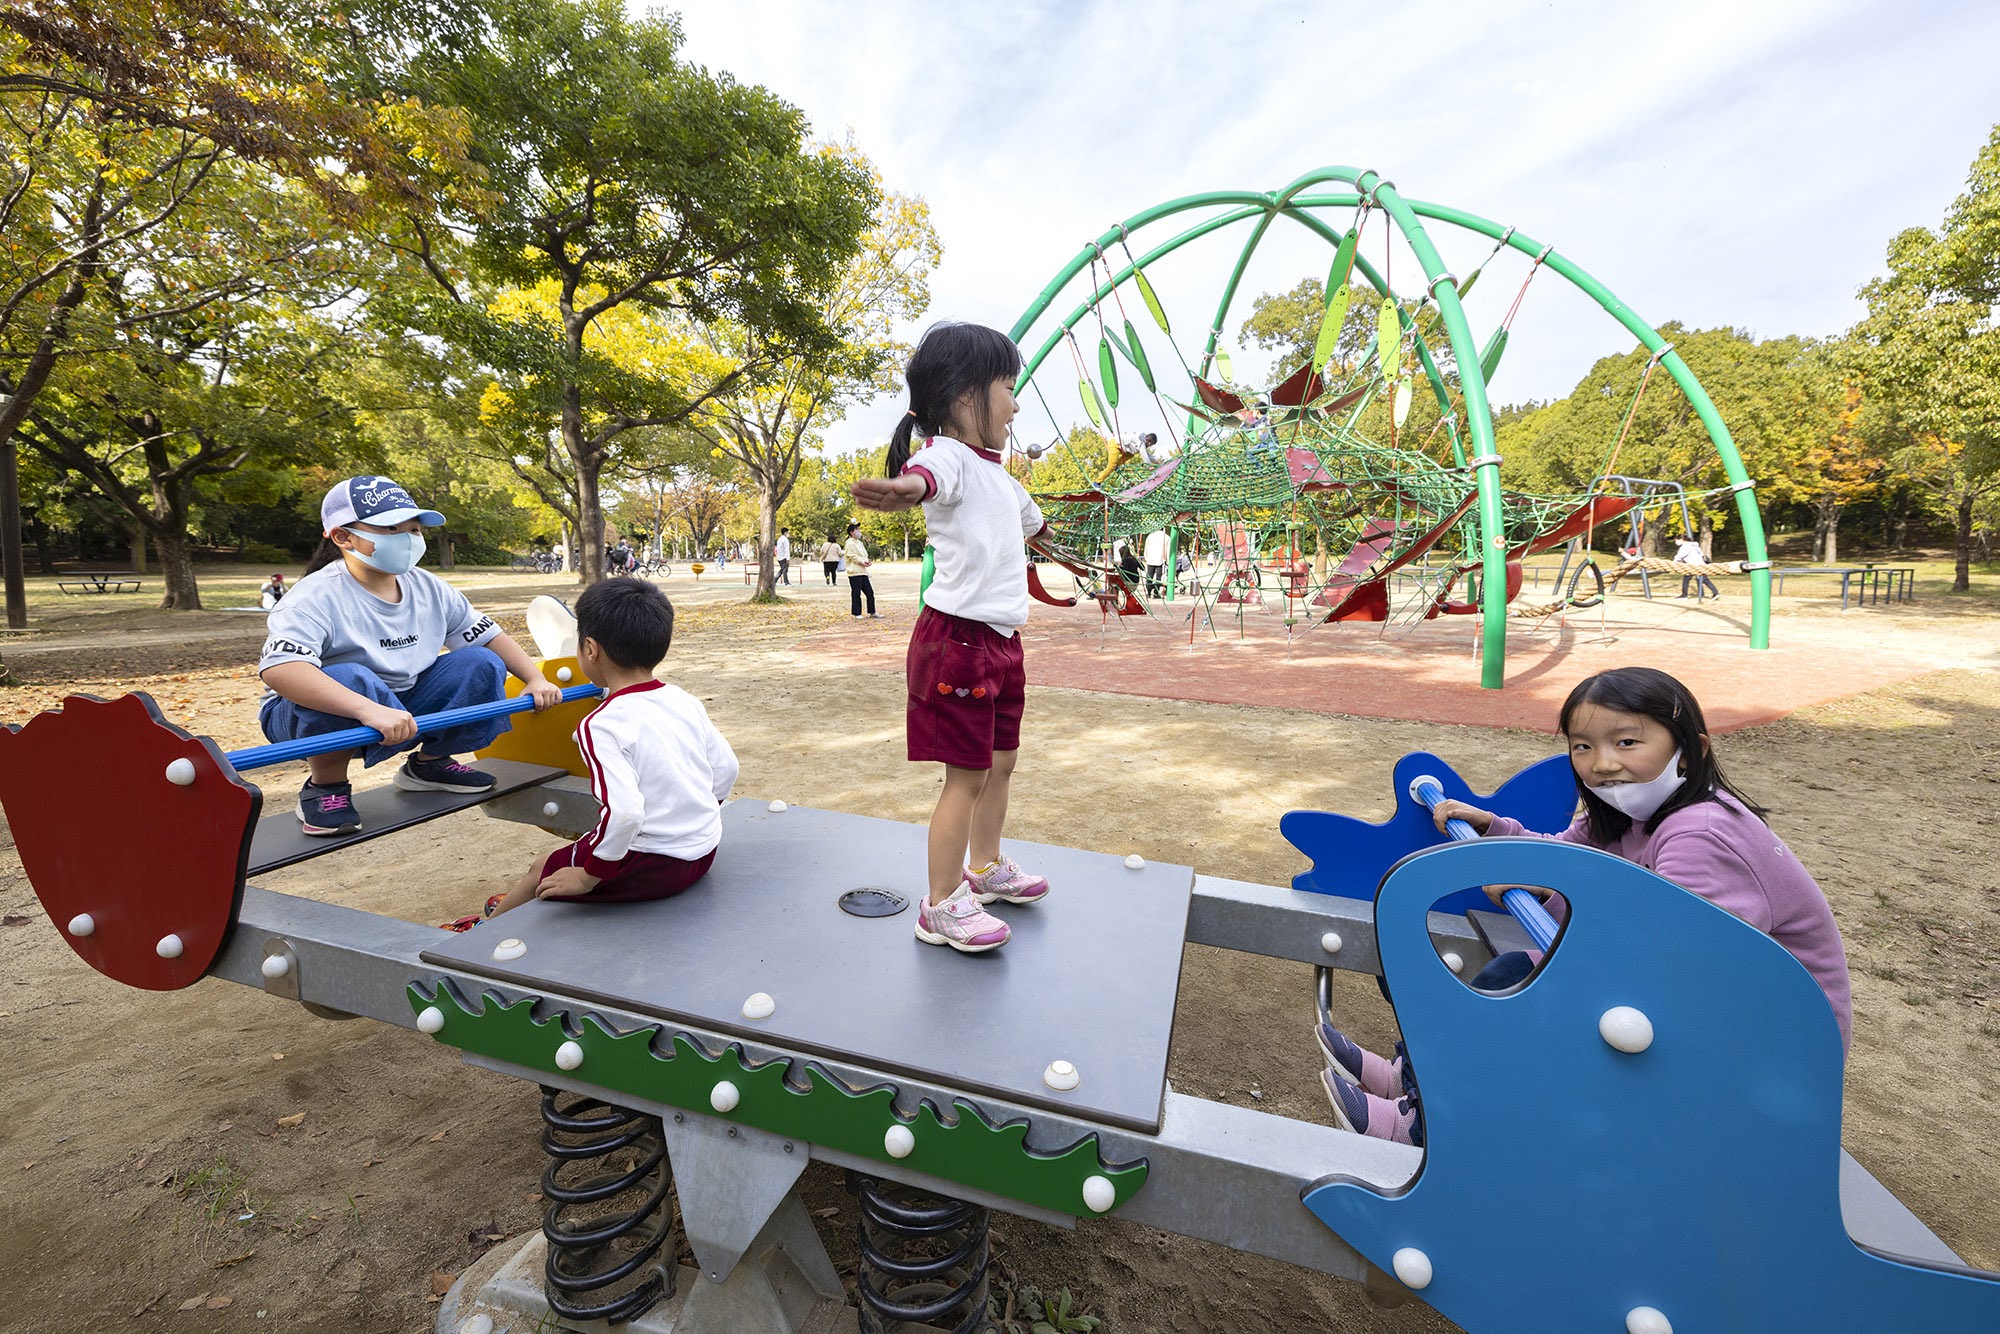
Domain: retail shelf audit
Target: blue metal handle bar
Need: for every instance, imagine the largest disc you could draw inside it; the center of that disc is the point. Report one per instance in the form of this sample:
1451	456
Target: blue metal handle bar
353	738
1526	908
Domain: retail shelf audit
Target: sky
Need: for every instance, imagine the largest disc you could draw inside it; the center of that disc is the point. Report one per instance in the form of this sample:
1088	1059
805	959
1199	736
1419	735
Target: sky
1738	164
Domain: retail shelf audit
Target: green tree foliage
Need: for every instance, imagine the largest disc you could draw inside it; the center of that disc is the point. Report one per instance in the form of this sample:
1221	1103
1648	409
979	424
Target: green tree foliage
210	346
625	180
1931	347
768	421
1775	396
901	533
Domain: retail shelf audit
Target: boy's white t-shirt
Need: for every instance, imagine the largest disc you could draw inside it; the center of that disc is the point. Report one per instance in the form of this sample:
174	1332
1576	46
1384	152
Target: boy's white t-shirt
329	618
783	549
659	768
1689	553
978	516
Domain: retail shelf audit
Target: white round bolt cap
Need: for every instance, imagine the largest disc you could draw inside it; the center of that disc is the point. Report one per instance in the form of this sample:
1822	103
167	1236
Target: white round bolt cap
479	1324
82	924
181	772
550	809
1099	1194
1135	863
510	948
1625	1028
169	947
777	808
565	675
1454	962
1331	942
570	1055
275	965
724	1097
430	1019
759	1005
1413	1268
900	1142
1647	1320
1060	1075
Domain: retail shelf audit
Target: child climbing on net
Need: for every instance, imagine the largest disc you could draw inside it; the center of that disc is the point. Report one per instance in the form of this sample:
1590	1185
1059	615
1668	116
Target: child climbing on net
966	682
658	767
1653	793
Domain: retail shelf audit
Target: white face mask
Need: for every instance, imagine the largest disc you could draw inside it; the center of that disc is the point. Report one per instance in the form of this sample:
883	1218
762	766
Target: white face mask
395	553
1641	800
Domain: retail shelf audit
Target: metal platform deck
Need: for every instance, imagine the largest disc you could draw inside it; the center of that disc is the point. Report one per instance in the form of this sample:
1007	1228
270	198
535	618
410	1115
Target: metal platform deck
1107	944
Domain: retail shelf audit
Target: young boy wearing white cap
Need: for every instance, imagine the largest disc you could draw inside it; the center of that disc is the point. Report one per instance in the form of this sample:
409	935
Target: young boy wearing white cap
365	637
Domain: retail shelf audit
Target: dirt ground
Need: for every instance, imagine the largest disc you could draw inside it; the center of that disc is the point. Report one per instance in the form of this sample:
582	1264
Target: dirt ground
156	1177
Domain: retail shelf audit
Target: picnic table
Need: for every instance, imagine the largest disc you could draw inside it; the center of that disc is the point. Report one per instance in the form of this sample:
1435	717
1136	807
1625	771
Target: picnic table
100	581
1869	584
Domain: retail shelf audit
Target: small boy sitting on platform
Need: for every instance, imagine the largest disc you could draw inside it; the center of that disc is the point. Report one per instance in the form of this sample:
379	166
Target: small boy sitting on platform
658	766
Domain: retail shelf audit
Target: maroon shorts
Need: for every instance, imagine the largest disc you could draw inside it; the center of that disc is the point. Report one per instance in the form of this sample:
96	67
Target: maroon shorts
639	876
967	687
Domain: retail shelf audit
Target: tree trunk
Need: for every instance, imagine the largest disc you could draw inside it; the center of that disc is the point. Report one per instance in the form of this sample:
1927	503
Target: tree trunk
444	548
767	543
136	535
11	570
1961	576
45	556
177	570
1830	524
589	522
1705	534
1819	538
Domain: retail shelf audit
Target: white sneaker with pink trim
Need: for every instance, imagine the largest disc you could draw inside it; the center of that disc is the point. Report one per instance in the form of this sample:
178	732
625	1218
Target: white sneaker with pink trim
960	923
1006	882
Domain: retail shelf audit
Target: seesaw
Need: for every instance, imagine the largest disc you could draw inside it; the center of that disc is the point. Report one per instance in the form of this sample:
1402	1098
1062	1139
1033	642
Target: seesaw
1684	1100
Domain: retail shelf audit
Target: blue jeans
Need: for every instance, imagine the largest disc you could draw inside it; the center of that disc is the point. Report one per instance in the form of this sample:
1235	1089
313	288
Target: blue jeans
456	679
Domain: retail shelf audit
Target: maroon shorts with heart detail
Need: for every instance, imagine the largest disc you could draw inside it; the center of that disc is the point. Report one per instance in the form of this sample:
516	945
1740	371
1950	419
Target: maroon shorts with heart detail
967	687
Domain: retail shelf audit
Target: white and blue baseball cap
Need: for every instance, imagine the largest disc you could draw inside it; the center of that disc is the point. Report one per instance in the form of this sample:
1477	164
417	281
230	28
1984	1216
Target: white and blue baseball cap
376	500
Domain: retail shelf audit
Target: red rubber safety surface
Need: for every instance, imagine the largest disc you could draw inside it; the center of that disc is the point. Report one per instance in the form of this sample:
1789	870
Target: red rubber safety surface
1430	672
101	830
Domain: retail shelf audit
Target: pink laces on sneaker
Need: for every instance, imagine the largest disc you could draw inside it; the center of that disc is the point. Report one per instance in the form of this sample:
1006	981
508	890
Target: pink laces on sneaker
335	801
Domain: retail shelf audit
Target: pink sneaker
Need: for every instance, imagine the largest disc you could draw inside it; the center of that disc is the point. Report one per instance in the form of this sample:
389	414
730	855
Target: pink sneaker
1356	1109
960	922
1006	882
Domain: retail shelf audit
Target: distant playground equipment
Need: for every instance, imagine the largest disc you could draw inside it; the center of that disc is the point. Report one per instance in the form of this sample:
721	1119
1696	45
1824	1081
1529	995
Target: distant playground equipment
1277	488
695	1053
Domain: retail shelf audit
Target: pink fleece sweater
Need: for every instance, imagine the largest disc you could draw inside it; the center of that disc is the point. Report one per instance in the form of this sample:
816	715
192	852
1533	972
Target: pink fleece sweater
1719	850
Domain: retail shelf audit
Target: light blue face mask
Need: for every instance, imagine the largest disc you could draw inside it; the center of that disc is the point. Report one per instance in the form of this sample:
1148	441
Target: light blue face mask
395	553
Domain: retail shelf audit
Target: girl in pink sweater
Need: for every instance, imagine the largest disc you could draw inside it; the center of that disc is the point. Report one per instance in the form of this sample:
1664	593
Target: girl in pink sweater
1652	793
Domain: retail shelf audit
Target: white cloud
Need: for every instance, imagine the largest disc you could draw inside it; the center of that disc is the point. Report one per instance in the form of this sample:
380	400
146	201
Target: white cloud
1718	163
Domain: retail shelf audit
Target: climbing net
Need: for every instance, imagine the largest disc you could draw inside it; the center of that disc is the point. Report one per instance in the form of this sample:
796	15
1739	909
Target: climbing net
1318	492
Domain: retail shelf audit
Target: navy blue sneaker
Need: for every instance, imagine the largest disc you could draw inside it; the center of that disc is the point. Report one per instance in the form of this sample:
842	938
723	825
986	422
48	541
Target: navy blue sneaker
325	812
441	775
1356	1109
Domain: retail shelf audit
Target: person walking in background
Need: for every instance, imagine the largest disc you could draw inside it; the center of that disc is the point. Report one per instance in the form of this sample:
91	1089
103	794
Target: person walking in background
1156	563
829	559
1689	552
858	584
782	552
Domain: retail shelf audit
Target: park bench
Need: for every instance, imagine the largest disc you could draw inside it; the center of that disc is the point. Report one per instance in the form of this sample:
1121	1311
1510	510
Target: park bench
1868	584
110	581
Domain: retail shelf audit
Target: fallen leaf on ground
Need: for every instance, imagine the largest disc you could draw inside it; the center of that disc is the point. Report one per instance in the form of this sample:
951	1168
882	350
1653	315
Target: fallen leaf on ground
149	1305
219	1303
235	1259
25	1166
440	1135
825	1213
372	1161
194	1303
441	1281
144	1161
295	1119
14	919
277	1056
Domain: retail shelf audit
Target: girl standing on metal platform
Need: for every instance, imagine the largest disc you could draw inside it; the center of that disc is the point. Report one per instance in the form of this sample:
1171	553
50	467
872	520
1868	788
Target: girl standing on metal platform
966	682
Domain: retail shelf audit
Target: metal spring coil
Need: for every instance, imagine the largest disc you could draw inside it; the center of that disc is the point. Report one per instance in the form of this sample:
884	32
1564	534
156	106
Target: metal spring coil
923	1258
586	1131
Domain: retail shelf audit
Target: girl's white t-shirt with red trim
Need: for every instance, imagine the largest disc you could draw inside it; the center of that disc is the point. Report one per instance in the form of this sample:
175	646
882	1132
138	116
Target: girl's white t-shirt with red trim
978	516
660	770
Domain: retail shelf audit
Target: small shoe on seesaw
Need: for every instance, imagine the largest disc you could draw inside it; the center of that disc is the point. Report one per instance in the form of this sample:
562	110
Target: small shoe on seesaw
443	774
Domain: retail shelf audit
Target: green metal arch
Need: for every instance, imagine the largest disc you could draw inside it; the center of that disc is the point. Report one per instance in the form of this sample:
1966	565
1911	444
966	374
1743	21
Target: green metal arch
1407	214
